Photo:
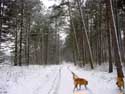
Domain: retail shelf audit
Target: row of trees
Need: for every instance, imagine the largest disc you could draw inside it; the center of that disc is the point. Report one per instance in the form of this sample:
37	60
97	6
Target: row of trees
95	32
32	30
96	18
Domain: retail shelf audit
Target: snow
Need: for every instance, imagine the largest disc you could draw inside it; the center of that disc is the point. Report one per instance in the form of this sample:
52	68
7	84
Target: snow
54	79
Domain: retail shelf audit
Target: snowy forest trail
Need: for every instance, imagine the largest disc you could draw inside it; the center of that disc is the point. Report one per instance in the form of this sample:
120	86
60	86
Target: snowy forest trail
55	79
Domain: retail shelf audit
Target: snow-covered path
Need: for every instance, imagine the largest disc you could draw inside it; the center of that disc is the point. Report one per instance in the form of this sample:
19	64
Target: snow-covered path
56	79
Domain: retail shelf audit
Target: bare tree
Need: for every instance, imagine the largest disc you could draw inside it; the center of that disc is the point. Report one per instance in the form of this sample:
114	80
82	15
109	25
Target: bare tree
21	32
85	33
115	39
75	42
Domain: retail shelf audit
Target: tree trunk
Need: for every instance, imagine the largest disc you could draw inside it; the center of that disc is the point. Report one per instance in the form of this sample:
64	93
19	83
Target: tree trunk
1	15
16	46
73	51
110	50
116	11
85	34
109	40
100	36
58	48
115	40
74	32
28	42
124	47
46	48
21	31
41	49
56	39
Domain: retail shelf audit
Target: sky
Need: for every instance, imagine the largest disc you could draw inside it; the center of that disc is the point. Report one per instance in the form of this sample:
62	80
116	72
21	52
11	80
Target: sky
49	3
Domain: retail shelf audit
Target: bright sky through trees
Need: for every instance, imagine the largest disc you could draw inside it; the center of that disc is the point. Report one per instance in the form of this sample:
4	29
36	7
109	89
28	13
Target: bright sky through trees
49	3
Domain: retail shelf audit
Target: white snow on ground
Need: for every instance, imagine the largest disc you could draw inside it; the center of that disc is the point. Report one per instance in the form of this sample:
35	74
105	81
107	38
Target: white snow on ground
54	79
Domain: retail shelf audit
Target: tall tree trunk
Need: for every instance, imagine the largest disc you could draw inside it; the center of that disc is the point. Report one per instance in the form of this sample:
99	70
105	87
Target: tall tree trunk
115	39
21	31
73	50
109	40
100	35
46	49
124	46
116	11
1	17
16	45
36	52
74	32
85	33
83	52
58	48
110	50
41	49
27	40
56	39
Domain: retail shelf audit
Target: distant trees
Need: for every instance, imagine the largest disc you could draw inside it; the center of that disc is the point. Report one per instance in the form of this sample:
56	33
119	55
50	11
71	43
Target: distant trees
25	10
114	28
31	31
82	36
89	28
99	30
7	22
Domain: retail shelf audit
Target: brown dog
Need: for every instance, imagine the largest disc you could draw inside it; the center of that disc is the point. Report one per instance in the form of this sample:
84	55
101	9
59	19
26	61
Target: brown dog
79	81
120	82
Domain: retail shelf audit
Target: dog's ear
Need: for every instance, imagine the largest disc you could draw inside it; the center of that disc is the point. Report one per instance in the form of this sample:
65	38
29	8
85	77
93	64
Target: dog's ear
73	73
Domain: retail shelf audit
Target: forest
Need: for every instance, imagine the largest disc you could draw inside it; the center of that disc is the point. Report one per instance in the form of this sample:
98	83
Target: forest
73	37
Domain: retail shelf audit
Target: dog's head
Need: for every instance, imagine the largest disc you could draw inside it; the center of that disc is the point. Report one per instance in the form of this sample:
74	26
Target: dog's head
74	75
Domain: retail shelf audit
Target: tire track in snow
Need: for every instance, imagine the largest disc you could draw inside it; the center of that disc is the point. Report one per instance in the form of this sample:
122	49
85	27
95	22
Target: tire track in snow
56	83
3	91
45	84
66	86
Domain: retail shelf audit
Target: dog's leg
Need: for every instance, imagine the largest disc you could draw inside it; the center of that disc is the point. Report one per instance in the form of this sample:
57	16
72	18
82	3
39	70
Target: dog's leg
75	86
79	87
74	89
85	87
120	88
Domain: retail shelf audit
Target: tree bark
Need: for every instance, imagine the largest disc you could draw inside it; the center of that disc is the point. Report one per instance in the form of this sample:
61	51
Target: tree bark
74	32
21	31
100	35
46	48
85	33
109	40
16	46
1	15
115	39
